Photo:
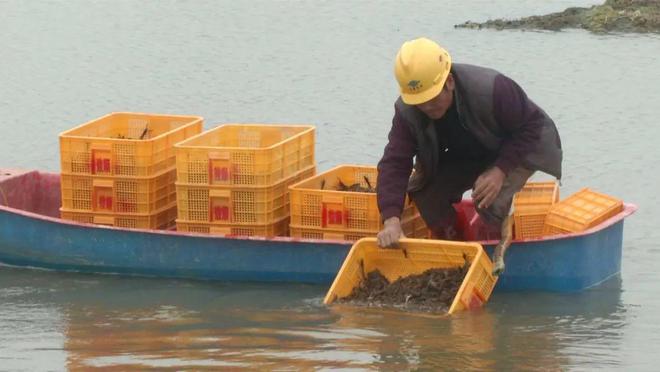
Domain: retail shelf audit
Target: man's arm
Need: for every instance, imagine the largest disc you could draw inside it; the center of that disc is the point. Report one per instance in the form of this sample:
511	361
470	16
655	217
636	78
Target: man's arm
522	121
394	168
520	118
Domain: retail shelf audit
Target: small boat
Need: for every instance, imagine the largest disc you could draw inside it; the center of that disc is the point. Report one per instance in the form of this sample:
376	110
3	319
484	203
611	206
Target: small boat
32	235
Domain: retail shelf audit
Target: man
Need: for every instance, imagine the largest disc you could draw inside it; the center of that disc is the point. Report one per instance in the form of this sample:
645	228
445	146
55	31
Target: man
467	127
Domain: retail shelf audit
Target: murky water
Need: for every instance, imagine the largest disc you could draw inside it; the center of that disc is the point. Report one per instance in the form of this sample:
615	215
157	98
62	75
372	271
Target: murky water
330	64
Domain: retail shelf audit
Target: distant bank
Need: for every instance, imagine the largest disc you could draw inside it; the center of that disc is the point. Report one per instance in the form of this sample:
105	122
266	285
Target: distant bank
640	16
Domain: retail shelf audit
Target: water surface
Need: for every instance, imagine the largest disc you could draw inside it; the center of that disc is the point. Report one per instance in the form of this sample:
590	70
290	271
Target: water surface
328	64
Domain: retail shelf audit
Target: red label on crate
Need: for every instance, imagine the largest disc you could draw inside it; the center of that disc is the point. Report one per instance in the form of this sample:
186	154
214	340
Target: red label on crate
221	213
475	302
105	202
221	174
101	162
103	198
332	215
336	217
471	299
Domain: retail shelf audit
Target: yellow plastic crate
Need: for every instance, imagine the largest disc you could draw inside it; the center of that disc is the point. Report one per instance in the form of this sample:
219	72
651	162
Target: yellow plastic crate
245	154
412	228
580	211
162	219
415	257
126	144
531	205
118	194
278	228
315	202
237	204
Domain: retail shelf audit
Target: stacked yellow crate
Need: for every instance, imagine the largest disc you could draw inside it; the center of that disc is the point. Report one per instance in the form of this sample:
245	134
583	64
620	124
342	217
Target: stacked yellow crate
340	204
581	211
119	170
234	179
531	206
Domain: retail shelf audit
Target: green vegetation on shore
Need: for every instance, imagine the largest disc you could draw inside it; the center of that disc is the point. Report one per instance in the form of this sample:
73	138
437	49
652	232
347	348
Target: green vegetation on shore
639	16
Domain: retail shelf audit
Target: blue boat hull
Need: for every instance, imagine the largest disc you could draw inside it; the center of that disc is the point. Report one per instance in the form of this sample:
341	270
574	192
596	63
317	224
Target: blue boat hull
553	265
565	265
31	237
56	246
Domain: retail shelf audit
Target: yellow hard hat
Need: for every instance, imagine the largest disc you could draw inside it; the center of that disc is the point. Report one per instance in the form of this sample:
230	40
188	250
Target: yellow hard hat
421	67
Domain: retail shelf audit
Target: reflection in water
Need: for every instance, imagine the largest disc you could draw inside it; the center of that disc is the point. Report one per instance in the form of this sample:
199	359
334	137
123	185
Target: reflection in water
575	328
226	337
123	323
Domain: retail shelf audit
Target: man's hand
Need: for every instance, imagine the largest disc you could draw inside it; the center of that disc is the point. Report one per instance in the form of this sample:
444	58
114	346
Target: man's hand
498	265
487	187
391	233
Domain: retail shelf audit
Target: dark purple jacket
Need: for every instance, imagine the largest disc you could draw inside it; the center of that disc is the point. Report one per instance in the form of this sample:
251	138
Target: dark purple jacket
494	109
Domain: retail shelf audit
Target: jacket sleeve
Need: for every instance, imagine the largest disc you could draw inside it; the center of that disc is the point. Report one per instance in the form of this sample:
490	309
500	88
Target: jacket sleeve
394	168
520	118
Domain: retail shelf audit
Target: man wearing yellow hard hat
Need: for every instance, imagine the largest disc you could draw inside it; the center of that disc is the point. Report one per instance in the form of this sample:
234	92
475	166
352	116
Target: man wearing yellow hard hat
466	127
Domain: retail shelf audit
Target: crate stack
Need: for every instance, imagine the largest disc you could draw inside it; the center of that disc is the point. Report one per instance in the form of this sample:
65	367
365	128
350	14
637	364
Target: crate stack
531	206
119	170
581	211
235	178
329	206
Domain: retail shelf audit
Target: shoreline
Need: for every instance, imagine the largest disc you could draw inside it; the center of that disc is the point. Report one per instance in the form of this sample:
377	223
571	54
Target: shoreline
628	16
